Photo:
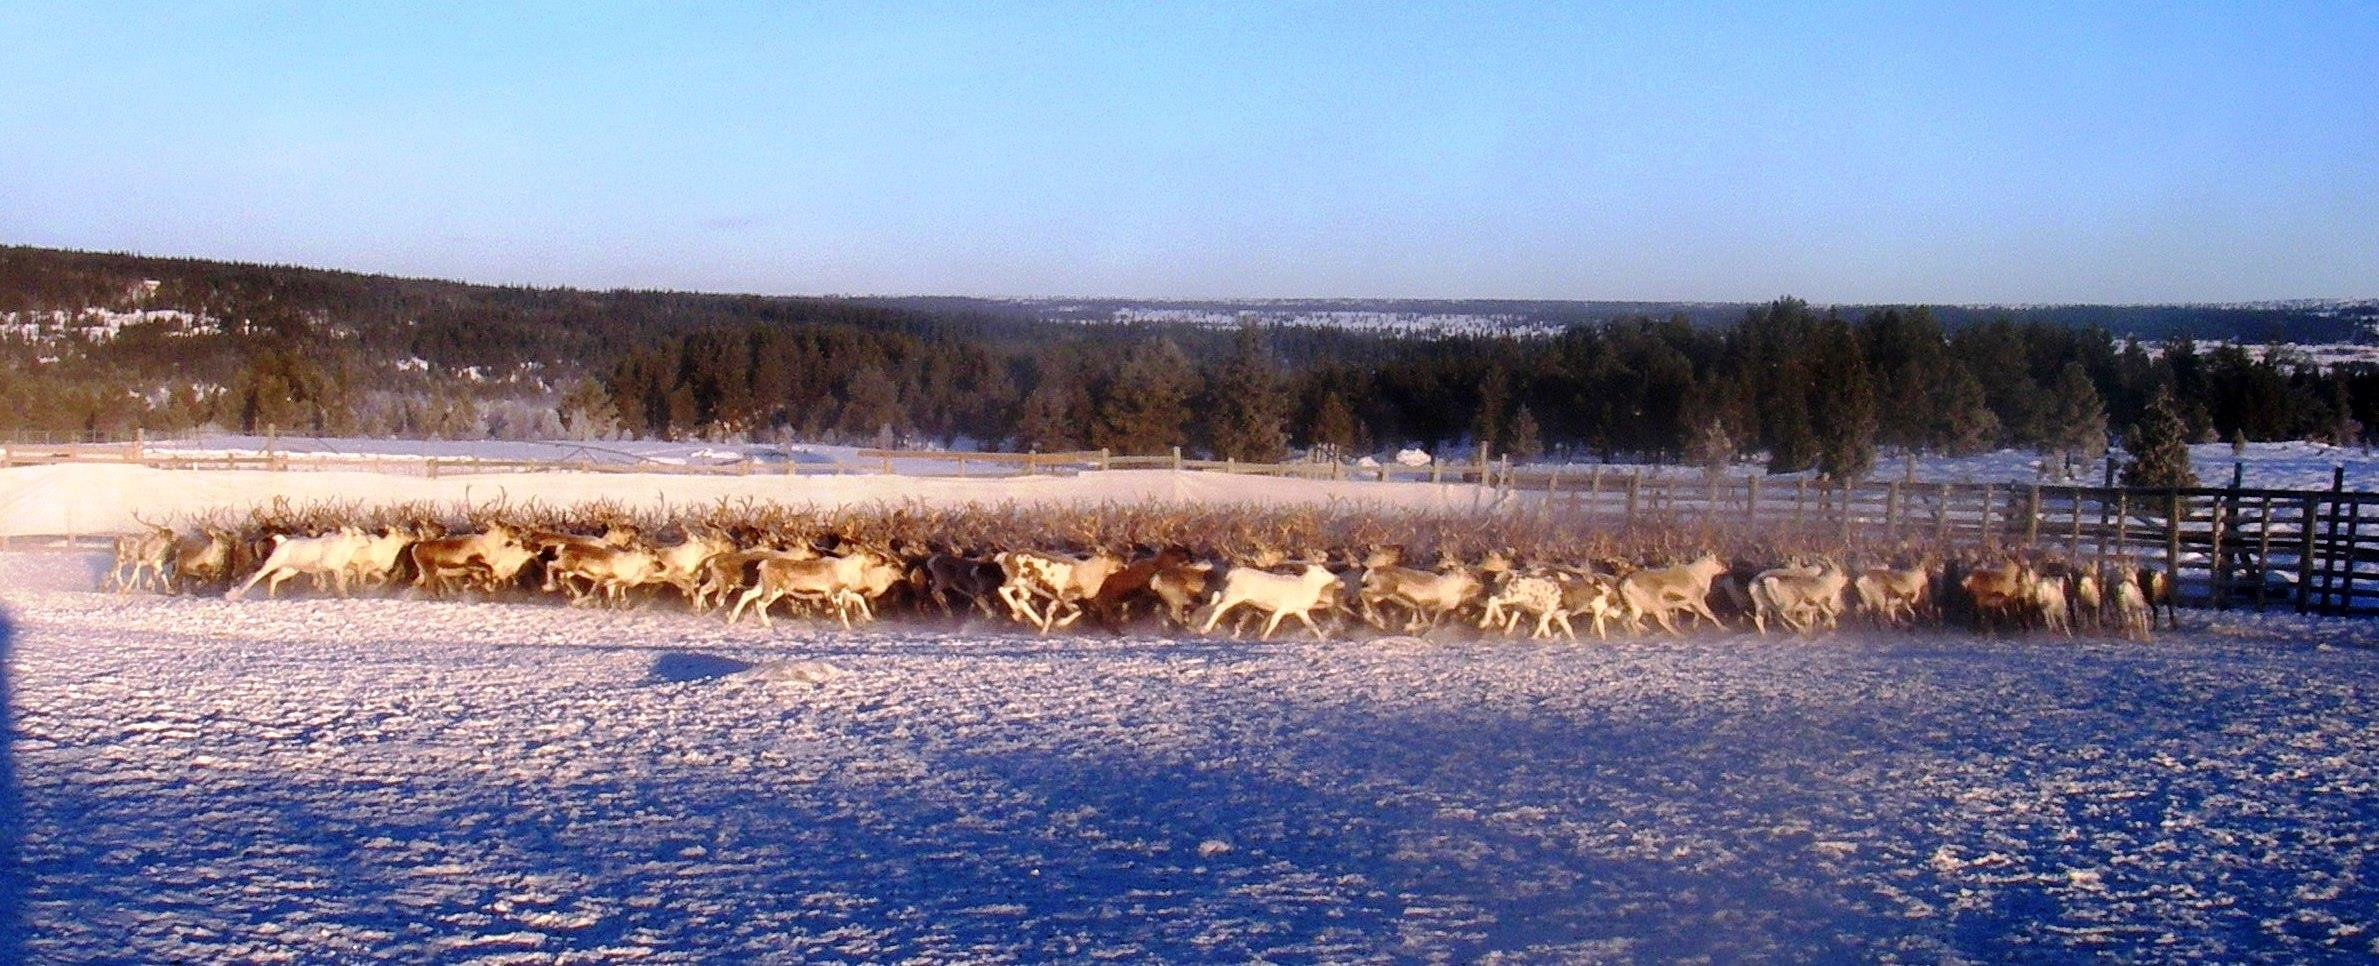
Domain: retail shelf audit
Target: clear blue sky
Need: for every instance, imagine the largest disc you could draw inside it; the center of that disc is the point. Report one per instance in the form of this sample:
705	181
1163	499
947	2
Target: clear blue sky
1902	152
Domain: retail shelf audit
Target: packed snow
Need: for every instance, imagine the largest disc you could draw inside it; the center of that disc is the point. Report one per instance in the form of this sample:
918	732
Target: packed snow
312	780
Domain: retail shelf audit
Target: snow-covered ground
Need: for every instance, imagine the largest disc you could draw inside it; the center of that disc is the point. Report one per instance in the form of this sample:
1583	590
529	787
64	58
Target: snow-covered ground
320	780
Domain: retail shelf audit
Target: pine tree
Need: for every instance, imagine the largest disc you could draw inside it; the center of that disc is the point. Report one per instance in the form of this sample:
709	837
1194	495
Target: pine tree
1052	418
2076	422
1712	448
586	411
2159	446
1332	430
1247	404
1842	404
1143	408
1487	423
1527	442
871	404
1967	425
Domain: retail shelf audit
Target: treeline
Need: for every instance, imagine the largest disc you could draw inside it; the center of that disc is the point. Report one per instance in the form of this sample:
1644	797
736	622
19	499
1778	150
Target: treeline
1802	388
308	351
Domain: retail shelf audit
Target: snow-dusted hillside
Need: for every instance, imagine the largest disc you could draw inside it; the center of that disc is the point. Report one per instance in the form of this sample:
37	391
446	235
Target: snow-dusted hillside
387	780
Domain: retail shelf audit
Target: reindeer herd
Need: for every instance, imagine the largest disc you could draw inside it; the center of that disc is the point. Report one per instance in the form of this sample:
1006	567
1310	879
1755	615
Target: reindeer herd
1191	569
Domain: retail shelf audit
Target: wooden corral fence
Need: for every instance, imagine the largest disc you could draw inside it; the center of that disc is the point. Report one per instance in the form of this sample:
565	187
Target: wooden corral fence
2228	547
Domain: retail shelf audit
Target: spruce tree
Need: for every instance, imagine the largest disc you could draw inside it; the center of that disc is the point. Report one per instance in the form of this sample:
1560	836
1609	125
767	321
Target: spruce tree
1246	404
1527	442
1052	418
1332	431
1842	404
2076	421
1966	425
1712	448
871	403
2159	446
1143	408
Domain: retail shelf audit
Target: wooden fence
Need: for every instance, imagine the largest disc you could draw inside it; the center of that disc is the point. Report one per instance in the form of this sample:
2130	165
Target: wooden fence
2226	547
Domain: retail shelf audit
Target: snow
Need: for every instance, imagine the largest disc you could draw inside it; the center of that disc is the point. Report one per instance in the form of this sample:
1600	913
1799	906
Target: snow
382	779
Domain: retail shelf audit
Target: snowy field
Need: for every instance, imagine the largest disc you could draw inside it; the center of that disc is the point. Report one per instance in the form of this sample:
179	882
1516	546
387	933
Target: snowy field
322	781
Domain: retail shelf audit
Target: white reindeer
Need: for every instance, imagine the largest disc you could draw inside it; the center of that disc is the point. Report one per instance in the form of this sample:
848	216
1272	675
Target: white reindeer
1280	595
314	556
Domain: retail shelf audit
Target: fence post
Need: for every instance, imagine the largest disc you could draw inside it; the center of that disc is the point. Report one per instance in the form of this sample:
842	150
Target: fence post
2032	520
1891	510
2263	555
886	457
1751	501
1800	493
2218	571
2346	556
2073	543
1941	518
2172	540
2304	554
430	467
1106	459
1635	482
2122	524
132	452
1990	507
1177	459
1437	471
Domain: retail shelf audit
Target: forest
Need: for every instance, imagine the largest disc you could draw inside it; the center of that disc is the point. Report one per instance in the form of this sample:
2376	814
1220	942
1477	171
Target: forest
105	343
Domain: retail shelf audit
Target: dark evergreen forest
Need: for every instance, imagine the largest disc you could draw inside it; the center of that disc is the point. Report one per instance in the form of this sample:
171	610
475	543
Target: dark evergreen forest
325	352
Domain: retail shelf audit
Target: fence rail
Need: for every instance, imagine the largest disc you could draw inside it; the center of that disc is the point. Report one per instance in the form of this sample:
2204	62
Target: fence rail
2226	547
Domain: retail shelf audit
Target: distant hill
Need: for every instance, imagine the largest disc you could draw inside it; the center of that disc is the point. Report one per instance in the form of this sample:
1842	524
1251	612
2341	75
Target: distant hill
104	342
2306	322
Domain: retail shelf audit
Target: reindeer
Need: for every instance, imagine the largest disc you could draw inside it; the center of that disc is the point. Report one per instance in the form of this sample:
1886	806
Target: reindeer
1894	597
375	565
1536	594
830	580
2132	613
1433	595
1110	606
946	575
608	570
681	563
1593	594
321	556
142	559
1999	593
1183	587
203	558
1800	597
725	574
1657	592
2156	586
440	560
1064	581
1281	596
